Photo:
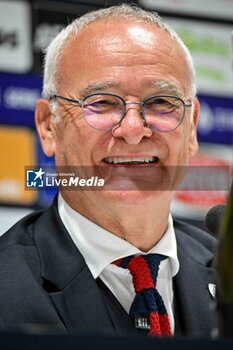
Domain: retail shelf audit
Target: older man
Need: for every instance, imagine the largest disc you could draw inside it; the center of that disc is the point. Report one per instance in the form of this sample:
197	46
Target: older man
119	93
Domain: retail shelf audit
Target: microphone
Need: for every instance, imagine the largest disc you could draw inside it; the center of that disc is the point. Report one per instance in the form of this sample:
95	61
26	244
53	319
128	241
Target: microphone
225	271
219	221
214	218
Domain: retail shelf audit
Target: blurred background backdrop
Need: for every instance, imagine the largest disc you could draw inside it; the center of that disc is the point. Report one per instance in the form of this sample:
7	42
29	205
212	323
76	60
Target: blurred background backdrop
27	27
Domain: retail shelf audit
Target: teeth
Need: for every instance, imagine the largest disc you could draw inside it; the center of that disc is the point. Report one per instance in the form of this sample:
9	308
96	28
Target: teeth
129	160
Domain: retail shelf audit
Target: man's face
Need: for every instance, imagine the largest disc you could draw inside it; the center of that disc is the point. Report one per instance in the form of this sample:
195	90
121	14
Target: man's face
135	61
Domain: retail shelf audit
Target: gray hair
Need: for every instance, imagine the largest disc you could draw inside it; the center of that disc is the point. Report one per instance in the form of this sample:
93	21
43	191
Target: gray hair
54	50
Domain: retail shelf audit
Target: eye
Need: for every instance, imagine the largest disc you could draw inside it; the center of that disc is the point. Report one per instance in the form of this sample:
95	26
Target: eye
163	105
102	103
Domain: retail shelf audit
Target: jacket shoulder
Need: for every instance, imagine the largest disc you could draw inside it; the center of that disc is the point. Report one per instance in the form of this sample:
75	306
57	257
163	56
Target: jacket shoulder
196	234
23	298
195	243
18	251
20	233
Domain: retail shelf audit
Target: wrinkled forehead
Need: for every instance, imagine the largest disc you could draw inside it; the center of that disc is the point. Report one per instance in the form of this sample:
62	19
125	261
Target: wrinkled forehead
115	41
118	31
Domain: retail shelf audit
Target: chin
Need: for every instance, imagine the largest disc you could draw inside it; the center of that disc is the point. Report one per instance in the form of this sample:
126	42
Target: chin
133	197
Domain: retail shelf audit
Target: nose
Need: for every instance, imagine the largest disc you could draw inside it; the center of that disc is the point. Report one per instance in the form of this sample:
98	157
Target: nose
132	127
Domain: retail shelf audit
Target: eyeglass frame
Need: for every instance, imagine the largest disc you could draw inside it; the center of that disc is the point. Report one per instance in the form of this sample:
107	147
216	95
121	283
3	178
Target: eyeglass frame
125	103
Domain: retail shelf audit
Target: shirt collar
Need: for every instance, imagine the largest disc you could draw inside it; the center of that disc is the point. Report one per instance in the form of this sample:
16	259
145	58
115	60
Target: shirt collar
100	247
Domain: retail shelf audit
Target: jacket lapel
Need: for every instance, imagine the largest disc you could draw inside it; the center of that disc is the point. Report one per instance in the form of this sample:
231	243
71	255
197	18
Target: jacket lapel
194	304
67	279
81	307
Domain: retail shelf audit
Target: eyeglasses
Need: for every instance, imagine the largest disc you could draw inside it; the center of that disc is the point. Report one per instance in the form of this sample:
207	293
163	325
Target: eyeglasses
105	111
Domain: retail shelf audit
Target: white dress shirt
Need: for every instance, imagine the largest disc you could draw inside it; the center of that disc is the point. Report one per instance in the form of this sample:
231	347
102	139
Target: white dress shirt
100	247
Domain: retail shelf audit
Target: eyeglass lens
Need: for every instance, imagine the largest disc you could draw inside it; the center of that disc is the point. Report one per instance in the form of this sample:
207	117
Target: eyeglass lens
106	111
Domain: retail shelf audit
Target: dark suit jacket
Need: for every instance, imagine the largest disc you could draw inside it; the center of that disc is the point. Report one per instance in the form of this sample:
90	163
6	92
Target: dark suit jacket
44	280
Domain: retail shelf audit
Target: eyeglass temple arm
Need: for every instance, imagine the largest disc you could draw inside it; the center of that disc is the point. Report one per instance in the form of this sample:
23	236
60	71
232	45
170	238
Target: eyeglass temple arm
189	104
67	99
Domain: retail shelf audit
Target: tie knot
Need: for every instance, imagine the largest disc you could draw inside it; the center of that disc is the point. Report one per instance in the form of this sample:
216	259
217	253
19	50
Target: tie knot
148	308
143	268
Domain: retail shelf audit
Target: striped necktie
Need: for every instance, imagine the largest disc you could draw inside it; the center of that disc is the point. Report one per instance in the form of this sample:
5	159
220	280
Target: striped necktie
148	309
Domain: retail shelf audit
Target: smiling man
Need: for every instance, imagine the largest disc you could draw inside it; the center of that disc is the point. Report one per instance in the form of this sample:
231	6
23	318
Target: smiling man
119	95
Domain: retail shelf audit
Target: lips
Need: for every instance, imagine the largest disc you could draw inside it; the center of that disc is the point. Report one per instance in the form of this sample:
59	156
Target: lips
131	160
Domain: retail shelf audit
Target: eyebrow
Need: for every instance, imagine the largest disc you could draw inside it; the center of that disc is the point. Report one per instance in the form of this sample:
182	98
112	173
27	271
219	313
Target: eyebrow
91	88
162	86
166	87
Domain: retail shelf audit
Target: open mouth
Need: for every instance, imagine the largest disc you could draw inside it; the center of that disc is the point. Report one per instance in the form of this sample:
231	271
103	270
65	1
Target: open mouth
131	160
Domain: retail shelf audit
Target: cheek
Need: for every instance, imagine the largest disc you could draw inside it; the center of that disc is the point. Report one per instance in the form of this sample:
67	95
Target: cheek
178	141
66	142
79	144
184	147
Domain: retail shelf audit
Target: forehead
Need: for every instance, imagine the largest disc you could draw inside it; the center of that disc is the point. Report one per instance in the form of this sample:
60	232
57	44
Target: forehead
114	48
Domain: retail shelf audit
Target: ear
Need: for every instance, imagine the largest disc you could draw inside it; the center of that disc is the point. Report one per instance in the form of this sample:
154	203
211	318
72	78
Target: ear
193	143
43	119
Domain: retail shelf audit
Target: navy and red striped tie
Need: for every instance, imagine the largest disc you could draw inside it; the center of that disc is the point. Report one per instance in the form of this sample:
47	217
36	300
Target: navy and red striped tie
148	308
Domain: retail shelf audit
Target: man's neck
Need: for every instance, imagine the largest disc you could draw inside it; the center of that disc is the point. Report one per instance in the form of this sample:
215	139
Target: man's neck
141	225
